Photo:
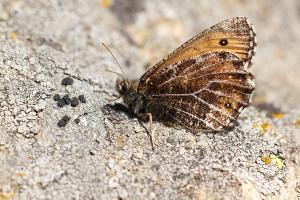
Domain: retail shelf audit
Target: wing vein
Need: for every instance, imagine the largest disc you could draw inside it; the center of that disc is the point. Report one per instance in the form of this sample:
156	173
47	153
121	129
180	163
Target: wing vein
201	69
199	99
230	83
228	96
182	111
222	73
214	107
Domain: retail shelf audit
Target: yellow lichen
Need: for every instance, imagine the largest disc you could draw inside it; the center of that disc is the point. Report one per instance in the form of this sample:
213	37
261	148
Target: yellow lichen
6	196
20	174
266	159
277	115
13	35
105	3
297	122
264	127
272	158
278	161
120	141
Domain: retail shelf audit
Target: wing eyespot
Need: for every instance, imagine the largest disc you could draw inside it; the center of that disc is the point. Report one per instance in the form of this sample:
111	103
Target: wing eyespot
228	105
223	55
223	42
237	64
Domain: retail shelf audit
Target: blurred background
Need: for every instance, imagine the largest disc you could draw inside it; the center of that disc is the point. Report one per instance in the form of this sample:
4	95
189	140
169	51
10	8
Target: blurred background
141	32
157	27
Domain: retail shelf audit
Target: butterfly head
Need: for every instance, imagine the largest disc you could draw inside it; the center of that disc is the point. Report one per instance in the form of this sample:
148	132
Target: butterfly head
126	86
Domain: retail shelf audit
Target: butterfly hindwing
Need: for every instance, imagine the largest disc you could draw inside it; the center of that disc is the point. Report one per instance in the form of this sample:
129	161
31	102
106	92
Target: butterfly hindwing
204	92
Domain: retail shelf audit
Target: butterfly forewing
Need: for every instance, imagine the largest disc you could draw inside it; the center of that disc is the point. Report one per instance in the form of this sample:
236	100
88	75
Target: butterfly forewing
235	35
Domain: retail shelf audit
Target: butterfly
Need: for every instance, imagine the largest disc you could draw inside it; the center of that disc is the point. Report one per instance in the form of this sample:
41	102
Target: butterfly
202	85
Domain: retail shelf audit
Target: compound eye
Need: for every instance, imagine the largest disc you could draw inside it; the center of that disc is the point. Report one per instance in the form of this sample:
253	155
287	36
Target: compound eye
124	87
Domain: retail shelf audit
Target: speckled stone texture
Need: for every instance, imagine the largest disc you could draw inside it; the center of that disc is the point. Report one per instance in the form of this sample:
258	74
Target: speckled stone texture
103	152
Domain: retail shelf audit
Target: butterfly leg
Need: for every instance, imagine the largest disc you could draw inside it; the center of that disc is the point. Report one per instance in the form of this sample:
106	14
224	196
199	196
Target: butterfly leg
150	129
148	117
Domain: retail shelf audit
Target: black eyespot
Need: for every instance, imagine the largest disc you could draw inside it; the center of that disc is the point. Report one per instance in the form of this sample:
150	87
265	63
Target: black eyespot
228	105
242	77
223	42
223	55
237	64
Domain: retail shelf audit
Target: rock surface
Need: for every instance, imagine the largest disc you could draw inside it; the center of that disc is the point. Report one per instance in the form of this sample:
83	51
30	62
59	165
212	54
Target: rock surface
103	152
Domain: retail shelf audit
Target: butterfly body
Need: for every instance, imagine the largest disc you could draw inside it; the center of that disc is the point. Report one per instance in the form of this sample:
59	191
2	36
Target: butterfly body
134	100
203	84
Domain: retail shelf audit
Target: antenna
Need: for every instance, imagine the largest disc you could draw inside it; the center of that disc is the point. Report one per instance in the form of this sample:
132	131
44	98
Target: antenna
107	70
107	48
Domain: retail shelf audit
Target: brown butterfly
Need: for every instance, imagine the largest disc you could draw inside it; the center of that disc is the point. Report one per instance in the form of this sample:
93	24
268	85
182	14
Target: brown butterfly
202	85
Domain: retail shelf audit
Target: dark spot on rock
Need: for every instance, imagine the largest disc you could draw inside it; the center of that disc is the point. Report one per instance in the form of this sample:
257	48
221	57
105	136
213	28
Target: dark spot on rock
199	153
67	81
61	103
179	176
82	98
170	140
74	102
66	118
77	120
56	97
67	99
61	123
64	121
139	162
155	167
92	153
223	42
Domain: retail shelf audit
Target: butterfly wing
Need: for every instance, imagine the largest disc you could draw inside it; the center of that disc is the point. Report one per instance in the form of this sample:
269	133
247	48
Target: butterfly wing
235	35
204	92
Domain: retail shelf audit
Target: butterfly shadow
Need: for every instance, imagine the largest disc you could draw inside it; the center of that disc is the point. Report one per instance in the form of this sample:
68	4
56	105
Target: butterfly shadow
118	108
121	108
234	126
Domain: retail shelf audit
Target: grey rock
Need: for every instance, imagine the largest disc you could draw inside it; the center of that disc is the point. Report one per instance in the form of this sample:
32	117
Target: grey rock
107	155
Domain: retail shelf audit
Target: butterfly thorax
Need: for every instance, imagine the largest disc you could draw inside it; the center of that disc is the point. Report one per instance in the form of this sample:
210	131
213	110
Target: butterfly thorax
133	99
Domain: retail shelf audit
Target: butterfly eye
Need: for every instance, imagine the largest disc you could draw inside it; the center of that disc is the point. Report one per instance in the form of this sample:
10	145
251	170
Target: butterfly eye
223	42
122	86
